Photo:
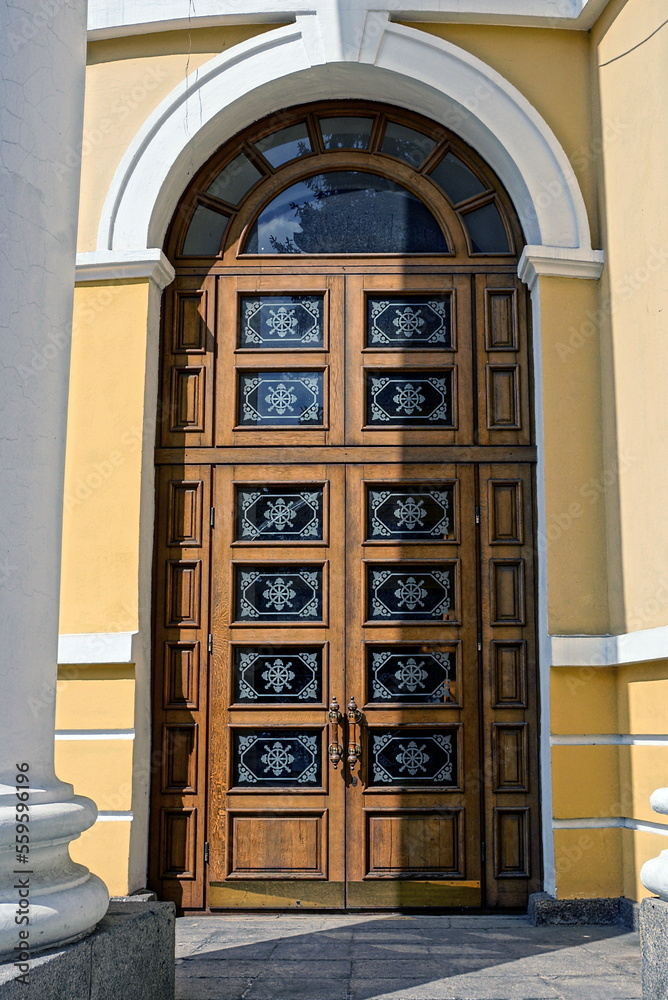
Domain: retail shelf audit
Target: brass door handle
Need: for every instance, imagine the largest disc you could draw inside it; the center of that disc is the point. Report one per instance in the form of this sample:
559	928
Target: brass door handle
354	745
335	749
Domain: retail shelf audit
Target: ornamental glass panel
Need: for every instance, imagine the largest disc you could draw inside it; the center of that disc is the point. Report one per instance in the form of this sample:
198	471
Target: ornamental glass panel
346	133
416	757
271	593
346	212
407	144
486	229
408	593
281	399
409	398
285	145
279	513
408	321
281	322
205	233
413	674
410	513
235	180
278	674
271	758
456	179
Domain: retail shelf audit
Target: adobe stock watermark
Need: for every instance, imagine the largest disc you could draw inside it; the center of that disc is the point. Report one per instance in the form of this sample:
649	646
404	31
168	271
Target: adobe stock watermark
22	874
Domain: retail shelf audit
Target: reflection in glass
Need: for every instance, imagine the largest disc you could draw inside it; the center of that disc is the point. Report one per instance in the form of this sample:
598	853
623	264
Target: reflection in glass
278	674
205	233
455	178
410	593
346	133
285	145
277	757
403	321
346	212
407	144
235	180
279	513
409	512
412	757
409	398
280	399
413	674
270	593
486	229
281	321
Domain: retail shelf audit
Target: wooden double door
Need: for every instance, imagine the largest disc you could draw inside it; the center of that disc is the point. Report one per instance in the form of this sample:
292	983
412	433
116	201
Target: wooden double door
345	698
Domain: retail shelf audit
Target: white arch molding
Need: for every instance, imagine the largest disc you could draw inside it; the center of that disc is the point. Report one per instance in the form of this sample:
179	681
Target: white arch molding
377	60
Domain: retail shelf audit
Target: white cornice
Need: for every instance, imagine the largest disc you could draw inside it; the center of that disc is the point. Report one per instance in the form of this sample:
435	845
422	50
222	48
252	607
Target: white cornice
559	262
124	265
643	646
116	18
89	648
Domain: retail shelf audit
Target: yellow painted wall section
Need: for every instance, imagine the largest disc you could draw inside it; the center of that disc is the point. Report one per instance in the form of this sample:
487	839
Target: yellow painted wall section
104	848
583	700
103	462
95	697
630	60
551	69
643	698
588	863
574	474
101	769
641	770
127	78
585	781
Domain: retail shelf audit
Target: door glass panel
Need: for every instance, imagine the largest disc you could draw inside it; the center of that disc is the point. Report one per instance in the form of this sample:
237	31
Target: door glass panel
410	593
205	233
235	180
285	145
486	229
409	674
346	133
278	757
272	593
346	211
419	757
415	512
279	513
278	674
456	179
277	399
407	144
273	322
402	321
409	398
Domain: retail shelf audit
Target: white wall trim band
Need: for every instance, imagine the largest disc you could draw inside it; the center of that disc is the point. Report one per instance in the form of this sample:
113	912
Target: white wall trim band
96	647
610	650
610	823
609	740
95	734
114	817
124	265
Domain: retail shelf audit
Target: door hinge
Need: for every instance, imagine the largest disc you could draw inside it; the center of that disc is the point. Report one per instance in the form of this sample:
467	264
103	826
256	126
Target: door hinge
206	852
480	642
212	517
210	643
482	850
477	515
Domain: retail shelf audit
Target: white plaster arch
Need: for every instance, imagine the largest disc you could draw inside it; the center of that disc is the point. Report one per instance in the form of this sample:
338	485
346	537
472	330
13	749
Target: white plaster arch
380	60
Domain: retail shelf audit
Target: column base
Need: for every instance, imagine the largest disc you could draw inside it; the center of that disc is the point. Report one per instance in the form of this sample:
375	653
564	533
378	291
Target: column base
654	948
545	909
130	953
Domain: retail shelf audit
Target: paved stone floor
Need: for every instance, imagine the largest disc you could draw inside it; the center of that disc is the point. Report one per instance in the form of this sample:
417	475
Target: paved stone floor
374	957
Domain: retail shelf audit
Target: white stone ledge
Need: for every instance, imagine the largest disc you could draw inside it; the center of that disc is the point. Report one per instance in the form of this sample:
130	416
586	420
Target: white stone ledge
559	262
610	823
115	817
66	735
610	739
609	650
96	647
124	265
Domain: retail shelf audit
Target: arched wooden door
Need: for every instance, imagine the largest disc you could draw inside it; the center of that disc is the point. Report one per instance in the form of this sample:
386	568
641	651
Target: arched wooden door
345	666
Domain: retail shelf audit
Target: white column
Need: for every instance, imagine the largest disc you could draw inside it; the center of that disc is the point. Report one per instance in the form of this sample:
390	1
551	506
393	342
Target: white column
654	873
42	64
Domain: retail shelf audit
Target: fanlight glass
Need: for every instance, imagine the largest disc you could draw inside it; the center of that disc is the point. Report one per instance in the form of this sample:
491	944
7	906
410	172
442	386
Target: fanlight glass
346	212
